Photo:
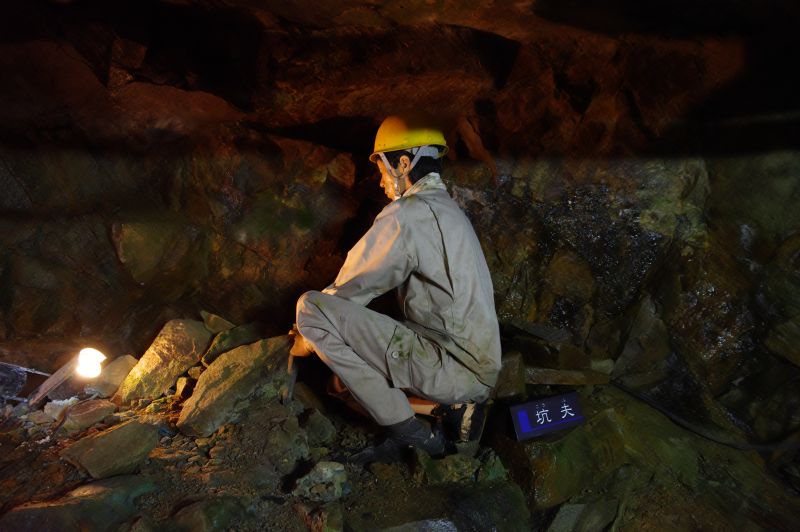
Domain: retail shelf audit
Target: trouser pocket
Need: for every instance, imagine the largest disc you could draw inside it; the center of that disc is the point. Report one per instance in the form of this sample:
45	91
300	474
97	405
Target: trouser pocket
398	355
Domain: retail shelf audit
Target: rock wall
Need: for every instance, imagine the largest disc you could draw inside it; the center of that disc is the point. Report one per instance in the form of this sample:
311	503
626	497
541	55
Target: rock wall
632	177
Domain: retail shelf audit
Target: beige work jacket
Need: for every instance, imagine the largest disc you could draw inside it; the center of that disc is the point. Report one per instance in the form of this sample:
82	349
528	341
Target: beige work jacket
423	245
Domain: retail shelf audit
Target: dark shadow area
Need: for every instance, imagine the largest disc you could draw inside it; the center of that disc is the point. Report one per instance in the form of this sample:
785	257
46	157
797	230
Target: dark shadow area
497	55
213	49
758	111
682	18
353	134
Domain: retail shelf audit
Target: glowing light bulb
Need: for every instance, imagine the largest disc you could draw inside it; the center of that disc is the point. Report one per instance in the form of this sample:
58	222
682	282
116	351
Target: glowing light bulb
89	360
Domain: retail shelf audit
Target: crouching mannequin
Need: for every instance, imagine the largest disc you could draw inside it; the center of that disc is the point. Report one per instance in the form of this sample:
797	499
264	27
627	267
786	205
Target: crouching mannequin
448	348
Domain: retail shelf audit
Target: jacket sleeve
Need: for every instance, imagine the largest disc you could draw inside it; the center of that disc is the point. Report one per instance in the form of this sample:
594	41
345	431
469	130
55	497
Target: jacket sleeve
379	262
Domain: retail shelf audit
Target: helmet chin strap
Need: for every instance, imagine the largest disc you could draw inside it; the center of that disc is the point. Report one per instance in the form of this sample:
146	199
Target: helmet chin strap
395	175
417	152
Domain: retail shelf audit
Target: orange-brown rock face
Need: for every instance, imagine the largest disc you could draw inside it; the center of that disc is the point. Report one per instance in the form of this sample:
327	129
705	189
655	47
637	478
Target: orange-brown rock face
632	174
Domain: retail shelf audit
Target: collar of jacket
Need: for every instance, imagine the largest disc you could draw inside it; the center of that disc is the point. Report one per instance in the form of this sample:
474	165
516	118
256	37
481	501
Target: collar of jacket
431	181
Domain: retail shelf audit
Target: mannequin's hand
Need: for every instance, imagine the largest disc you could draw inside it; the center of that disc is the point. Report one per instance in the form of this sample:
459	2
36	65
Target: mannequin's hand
300	348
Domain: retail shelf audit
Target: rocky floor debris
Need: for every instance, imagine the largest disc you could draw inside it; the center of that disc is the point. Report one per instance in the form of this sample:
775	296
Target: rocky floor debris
248	462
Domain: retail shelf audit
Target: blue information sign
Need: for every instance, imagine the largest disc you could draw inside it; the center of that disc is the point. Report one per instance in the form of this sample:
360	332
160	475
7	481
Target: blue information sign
550	414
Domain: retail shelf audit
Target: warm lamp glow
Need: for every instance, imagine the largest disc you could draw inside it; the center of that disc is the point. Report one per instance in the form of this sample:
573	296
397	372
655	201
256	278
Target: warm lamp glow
89	361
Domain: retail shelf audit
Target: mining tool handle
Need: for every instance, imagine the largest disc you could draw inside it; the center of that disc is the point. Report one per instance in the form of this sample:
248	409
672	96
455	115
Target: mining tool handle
291	370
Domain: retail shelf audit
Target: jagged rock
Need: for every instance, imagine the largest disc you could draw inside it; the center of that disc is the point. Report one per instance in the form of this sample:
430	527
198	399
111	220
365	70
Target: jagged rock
554	471
498	505
491	468
56	408
86	414
39	417
663	365
100	506
326	482
784	340
622	431
712	328
584	517
178	347
450	469
195	372
107	384
12	380
261	476
564	377
319	429
215	324
20	410
326	518
159	405
605	365
183	387
511	381
116	451
567	275
139	524
644	358
285	445
154	251
427	525
229	339
208	515
307	397
227	385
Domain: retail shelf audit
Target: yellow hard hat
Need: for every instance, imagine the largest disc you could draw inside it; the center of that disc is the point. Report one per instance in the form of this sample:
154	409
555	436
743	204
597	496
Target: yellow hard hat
401	133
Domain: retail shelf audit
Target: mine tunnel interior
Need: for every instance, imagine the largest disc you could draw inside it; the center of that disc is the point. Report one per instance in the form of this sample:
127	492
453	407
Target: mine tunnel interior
176	174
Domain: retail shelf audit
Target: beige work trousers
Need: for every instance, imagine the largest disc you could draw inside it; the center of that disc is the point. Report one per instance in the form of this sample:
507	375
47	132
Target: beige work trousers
377	358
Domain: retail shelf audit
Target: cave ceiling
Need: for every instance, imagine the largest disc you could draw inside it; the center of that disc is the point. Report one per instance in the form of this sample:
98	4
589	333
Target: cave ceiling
578	78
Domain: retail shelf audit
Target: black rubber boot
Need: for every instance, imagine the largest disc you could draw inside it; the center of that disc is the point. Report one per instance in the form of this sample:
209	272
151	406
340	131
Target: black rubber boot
402	436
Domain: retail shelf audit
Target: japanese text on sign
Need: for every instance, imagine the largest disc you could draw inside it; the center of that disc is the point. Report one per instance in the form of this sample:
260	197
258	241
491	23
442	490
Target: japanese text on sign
546	415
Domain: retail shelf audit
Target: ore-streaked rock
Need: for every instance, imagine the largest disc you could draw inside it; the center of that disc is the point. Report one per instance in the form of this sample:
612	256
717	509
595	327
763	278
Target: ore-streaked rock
179	346
319	429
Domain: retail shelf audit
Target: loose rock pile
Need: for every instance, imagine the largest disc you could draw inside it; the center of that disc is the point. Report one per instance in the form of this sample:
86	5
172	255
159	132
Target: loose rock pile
197	439
194	441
